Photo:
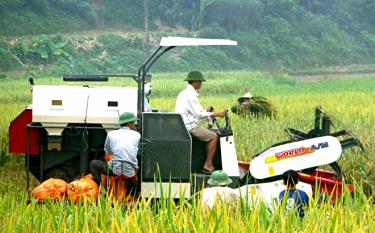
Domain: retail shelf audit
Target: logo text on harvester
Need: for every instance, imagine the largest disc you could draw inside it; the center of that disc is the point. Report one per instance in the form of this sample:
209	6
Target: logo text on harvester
292	153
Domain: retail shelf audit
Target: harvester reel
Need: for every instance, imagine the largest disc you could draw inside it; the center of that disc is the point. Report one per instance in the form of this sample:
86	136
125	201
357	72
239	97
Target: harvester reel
322	127
296	135
356	140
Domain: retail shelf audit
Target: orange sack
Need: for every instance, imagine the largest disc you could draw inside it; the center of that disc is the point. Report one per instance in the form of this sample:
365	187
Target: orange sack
84	188
54	189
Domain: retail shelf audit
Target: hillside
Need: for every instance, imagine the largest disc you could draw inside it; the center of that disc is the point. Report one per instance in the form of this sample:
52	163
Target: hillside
86	36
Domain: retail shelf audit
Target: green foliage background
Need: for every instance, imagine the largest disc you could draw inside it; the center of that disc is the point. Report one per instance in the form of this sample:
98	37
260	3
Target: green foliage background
273	35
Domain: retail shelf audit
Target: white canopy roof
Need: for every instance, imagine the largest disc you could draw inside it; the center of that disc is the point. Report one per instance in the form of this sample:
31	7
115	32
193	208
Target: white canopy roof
184	41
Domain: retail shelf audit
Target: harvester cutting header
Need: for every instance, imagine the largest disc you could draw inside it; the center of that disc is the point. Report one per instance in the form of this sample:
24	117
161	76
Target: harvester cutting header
66	128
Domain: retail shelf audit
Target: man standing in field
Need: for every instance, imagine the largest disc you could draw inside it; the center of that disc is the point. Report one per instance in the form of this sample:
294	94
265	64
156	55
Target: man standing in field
123	145
187	104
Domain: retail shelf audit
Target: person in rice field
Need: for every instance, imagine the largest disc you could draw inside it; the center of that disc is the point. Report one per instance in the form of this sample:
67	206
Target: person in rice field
292	197
187	104
218	191
257	106
147	90
123	145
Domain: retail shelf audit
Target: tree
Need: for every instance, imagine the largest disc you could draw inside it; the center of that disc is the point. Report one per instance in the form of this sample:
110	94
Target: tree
235	15
147	37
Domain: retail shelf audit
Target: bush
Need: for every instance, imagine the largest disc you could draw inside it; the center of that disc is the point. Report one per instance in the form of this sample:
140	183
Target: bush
40	6
7	61
41	50
80	8
13	4
234	15
91	18
213	32
124	12
86	12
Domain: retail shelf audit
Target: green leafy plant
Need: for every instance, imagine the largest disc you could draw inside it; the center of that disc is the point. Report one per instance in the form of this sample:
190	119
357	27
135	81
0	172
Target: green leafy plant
41	50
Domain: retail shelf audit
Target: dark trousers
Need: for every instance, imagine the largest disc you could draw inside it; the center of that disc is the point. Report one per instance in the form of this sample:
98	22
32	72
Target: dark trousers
98	167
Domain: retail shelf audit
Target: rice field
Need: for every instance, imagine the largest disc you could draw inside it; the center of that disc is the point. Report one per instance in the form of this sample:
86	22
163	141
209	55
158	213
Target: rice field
350	102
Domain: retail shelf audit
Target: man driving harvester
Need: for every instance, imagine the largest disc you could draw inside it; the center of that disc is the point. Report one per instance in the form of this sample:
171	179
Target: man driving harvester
187	104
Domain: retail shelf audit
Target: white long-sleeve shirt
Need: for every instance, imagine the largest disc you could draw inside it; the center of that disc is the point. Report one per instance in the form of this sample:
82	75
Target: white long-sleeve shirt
219	194
123	145
187	104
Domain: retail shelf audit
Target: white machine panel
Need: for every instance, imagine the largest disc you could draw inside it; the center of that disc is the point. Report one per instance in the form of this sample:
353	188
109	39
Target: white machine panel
296	156
229	156
170	190
268	192
59	104
106	104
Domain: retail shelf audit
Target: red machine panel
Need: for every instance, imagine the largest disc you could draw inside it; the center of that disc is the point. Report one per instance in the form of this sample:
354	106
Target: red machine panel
18	134
326	182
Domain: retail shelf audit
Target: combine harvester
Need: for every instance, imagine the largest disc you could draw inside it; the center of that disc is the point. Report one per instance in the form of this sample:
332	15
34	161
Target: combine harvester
66	126
304	152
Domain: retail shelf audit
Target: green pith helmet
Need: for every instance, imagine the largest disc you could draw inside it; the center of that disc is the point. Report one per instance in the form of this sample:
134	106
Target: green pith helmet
219	178
126	117
195	76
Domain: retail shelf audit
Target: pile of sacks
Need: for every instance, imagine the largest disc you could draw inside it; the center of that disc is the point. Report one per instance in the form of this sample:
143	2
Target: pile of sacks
84	188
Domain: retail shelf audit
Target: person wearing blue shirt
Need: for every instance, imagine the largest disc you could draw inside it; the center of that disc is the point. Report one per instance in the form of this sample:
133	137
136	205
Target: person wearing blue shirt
123	145
293	197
